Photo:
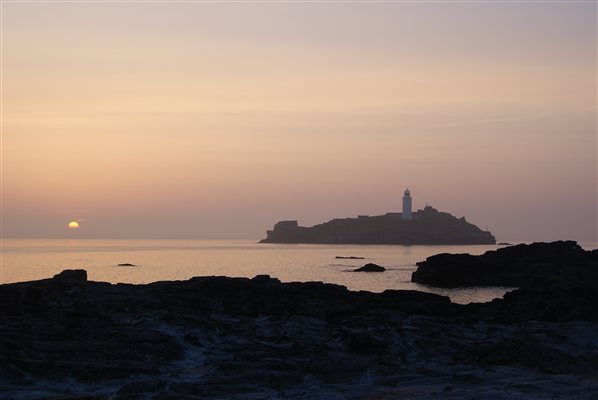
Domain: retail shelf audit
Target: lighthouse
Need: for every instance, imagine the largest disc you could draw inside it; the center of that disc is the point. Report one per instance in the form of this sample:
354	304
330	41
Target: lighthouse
407	204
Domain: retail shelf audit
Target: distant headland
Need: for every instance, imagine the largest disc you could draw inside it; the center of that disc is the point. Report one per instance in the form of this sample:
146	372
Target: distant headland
428	226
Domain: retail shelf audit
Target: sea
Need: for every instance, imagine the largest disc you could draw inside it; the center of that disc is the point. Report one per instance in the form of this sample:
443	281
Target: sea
160	260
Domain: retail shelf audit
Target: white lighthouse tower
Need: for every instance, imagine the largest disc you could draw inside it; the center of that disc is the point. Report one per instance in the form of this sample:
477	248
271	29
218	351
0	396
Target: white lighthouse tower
407	204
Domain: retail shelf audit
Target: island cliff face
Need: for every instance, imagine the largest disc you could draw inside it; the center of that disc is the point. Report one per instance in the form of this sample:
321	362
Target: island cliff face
427	226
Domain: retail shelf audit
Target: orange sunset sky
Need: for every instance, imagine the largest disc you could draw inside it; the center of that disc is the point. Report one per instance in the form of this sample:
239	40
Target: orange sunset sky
206	120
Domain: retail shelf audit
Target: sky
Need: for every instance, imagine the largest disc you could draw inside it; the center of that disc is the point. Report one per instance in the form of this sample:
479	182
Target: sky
215	121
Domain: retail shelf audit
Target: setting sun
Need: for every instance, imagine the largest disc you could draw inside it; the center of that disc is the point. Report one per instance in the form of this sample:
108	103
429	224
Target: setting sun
74	225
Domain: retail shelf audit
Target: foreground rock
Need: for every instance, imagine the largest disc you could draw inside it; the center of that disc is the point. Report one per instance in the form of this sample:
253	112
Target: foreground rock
563	262
558	281
237	338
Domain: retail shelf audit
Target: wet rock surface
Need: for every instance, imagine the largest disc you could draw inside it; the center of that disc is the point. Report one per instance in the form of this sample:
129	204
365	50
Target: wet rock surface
237	338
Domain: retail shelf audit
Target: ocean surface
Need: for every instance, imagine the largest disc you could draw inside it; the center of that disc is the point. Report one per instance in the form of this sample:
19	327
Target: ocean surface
157	260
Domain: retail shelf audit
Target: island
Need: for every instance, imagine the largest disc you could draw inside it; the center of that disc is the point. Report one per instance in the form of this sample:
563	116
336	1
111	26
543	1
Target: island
428	227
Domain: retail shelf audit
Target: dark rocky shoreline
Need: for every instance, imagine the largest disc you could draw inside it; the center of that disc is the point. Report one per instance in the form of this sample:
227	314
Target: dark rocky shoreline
224	338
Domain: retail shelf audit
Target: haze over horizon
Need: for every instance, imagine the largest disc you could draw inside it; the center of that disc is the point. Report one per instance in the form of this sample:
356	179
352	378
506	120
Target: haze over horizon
205	120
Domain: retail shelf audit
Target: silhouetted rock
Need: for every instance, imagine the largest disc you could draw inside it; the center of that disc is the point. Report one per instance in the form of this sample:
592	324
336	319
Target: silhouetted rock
428	226
557	281
218	337
349	258
126	265
537	264
370	267
78	275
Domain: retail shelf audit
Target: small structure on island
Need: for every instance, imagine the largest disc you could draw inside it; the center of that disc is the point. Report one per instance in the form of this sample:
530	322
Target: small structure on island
407	205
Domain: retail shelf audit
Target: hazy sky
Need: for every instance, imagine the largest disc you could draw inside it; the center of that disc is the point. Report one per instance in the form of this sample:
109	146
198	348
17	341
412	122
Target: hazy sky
204	120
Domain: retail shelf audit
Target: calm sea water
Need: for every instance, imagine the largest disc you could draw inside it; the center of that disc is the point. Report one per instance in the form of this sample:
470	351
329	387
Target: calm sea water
156	260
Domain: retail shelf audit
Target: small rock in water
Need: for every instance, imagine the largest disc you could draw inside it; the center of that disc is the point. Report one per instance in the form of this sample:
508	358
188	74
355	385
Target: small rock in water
126	265
370	268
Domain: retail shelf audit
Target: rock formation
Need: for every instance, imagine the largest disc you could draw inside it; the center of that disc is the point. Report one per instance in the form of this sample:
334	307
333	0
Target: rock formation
427	226
238	338
370	267
515	266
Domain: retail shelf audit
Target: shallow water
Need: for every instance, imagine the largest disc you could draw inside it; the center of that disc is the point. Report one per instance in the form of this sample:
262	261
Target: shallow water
156	260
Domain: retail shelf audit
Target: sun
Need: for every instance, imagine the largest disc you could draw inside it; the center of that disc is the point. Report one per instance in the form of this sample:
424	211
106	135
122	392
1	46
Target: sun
74	225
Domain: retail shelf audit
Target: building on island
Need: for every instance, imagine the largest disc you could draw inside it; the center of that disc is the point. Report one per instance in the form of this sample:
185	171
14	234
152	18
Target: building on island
407	204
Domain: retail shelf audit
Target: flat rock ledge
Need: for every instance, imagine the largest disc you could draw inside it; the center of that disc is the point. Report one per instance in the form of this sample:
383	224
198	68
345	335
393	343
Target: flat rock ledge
237	338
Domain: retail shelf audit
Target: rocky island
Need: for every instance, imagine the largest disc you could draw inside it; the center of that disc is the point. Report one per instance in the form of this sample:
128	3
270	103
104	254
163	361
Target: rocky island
238	338
428	226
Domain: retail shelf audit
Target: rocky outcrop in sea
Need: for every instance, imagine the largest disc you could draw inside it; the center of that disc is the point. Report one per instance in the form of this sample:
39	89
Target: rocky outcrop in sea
237	338
515	266
427	226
